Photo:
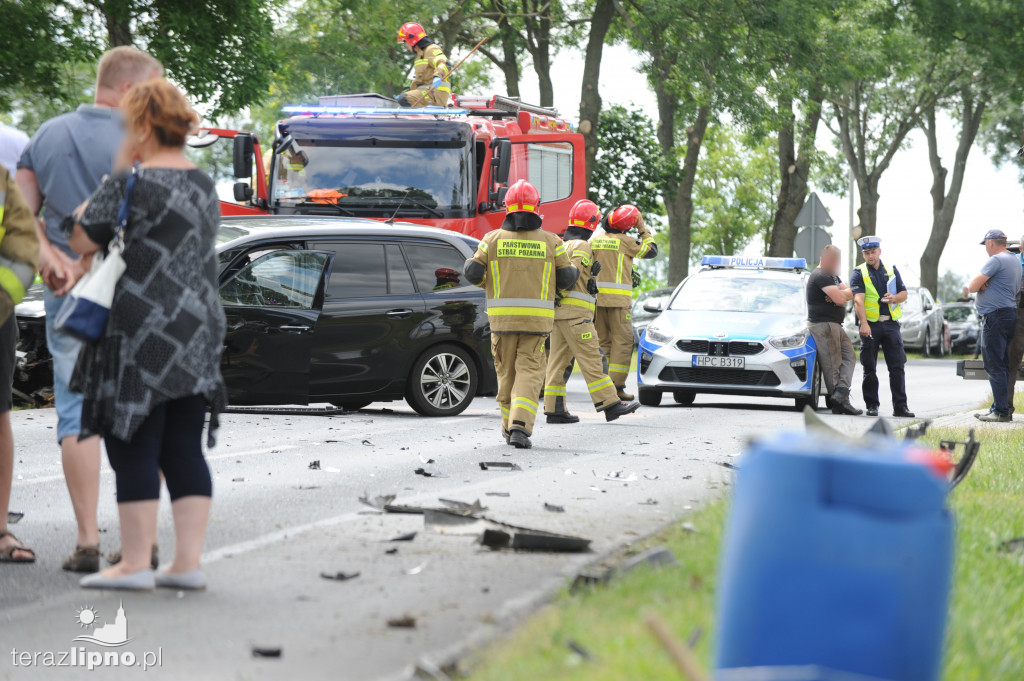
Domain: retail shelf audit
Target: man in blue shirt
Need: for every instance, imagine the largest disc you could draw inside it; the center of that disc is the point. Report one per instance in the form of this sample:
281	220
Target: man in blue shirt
1017	345
878	291
997	288
60	168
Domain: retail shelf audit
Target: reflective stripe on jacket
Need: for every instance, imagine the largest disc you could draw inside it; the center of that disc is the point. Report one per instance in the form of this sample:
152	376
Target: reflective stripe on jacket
871	306
520	279
577	303
430	62
19	245
615	251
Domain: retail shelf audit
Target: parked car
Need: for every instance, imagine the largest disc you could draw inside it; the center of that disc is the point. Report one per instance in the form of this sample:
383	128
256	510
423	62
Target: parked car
922	324
641	317
350	311
964	326
33	370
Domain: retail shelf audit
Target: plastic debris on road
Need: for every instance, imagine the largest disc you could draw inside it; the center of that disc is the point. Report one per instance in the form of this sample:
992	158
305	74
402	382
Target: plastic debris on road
266	651
499	466
339	576
13	517
403	622
553	508
408	536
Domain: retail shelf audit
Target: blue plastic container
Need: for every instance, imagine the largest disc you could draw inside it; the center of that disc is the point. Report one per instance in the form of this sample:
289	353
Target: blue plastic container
837	557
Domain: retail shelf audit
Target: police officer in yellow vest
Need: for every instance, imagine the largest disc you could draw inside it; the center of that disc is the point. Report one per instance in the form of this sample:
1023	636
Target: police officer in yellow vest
615	250
521	266
574	334
878	291
431	74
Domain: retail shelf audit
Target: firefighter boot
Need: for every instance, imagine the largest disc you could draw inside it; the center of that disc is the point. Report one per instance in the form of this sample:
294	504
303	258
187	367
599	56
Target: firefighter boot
562	417
519	439
619	409
620	390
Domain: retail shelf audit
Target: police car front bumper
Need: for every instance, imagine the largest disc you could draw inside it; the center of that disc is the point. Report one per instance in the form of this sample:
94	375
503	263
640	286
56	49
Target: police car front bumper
767	371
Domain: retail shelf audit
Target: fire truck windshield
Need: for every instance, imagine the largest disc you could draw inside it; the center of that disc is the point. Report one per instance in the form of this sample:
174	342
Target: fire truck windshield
383	178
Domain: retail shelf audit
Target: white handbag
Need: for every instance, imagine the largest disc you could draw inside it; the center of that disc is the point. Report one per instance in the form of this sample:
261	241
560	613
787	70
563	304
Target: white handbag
84	314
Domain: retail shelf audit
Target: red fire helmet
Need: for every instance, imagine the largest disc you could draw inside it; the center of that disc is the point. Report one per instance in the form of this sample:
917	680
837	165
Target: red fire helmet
624	218
522	197
585	214
411	33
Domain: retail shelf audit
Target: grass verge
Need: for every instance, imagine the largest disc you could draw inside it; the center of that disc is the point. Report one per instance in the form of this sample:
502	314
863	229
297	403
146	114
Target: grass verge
986	608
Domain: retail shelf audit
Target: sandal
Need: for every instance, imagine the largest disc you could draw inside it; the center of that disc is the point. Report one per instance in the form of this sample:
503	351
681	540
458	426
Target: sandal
7	554
84	559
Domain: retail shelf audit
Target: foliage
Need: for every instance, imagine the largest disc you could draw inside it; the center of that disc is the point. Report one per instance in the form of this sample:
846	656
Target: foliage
629	167
219	51
951	286
735	192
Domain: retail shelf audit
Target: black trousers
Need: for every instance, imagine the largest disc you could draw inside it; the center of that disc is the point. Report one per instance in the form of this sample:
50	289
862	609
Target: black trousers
885	335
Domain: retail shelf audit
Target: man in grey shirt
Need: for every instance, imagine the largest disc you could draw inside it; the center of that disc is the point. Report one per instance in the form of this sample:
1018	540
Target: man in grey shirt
60	168
996	304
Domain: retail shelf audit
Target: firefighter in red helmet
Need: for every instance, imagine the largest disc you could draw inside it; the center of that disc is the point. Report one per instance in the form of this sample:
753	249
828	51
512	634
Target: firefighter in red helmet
430	82
615	250
574	335
521	266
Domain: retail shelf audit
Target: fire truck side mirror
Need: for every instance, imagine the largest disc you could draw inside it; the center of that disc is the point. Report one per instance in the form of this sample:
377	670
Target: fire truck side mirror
243	192
243	151
501	160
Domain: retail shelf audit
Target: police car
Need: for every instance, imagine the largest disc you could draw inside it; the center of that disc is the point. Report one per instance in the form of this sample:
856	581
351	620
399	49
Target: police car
738	326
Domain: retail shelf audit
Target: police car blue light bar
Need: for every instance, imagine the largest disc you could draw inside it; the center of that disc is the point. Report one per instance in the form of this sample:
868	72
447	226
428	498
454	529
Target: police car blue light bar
758	262
350	110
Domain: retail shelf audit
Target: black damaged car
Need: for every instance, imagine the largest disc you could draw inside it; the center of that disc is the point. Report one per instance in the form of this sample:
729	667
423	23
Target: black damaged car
350	312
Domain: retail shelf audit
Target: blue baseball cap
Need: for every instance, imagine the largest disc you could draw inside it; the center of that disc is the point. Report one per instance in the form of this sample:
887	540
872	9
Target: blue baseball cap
993	234
869	242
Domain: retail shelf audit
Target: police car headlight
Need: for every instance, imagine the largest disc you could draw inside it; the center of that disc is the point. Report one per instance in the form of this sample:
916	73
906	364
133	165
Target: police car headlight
658	334
796	340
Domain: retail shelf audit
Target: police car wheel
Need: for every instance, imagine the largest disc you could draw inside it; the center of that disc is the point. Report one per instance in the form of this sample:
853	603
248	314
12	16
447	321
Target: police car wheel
684	397
443	381
649	398
815	396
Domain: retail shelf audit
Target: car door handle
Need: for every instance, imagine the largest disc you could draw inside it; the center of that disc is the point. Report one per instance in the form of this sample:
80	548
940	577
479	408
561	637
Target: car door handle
398	314
300	329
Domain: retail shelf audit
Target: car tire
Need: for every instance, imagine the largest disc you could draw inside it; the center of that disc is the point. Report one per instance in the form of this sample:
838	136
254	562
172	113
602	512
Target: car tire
684	397
815	396
927	343
442	382
649	397
352	405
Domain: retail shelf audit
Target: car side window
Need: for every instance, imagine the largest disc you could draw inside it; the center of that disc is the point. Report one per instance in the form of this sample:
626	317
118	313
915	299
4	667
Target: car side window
279	279
399	278
359	271
436	267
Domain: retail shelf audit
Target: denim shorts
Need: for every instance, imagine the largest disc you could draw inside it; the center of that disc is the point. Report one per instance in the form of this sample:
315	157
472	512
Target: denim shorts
64	349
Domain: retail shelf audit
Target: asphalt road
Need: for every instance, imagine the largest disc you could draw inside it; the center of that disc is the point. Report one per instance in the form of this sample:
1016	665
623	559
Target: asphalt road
277	525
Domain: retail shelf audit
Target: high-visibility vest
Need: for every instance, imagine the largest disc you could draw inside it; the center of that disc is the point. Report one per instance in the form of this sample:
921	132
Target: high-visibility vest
871	306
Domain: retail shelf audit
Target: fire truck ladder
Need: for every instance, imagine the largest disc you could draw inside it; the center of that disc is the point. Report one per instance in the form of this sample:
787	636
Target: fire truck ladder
499	106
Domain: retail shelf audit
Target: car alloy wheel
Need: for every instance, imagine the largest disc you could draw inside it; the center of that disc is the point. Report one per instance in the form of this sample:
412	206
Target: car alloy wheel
442	382
445	380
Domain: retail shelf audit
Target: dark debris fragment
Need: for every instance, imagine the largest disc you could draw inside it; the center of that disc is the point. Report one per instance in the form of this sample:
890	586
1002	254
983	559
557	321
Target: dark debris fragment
339	576
266	651
314	465
553	508
403	622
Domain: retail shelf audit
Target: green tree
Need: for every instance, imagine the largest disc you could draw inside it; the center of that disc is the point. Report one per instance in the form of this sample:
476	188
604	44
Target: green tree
629	167
950	286
735	192
219	51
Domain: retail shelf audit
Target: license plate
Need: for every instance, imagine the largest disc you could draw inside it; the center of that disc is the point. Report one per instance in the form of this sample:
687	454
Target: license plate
718	362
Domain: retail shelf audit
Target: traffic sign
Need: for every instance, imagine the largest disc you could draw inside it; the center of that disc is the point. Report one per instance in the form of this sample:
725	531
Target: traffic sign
813	214
809	242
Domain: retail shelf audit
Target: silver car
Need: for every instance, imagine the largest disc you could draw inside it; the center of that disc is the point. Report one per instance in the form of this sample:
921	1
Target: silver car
922	324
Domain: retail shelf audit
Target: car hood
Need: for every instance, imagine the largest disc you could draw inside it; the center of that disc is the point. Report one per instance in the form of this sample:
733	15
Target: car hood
734	325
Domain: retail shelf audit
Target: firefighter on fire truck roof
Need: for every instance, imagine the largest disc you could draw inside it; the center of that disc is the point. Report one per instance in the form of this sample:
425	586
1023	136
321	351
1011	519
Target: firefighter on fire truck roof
574	334
521	266
430	82
615	250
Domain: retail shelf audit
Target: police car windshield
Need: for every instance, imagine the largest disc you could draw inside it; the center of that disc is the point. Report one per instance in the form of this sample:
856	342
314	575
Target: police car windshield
730	291
372	181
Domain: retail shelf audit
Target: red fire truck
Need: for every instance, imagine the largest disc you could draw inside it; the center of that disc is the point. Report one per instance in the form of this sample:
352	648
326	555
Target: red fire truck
361	156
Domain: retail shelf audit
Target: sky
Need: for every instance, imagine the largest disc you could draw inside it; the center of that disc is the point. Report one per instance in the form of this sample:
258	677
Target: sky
991	197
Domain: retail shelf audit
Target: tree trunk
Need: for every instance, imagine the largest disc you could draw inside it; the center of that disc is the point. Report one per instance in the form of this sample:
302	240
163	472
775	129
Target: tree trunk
537	20
794	170
944	203
117	16
509	62
590	96
679	188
